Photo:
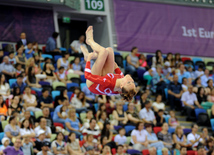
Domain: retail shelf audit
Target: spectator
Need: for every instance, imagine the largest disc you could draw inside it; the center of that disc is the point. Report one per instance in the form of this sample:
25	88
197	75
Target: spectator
26	131
152	138
19	69
23	41
132	115
159	118
184	84
142	61
49	120
174	93
106	150
165	136
73	146
11	58
1	55
132	61
120	139
43	126
79	103
157	59
107	132
167	70
3	109
5	143
14	150
193	138
183	74
91	129
90	97
169	58
201	150
39	141
209	144
30	101
177	60
32	63
58	146
27	145
61	75
139	137
102	108
148	76
173	121
12	130
205	135
63	61
143	99
45	100
210	86
75	46
165	151
31	119
89	116
90	150
57	116
102	119
32	81
147	115
4	87
152	151
120	150
189	100
72	123
179	137
158	104
51	44
29	50
44	149
49	72
199	72
19	83
205	78
19	57
192	73
197	84
119	115
37	50
210	97
7	69
90	143
59	99
201	95
76	66
183	150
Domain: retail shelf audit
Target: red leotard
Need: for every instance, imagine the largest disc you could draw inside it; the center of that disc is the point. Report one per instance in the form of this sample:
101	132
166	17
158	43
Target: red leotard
102	85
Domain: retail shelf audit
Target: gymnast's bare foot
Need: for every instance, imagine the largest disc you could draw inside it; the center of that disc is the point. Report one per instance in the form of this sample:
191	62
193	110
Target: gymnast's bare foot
89	35
86	53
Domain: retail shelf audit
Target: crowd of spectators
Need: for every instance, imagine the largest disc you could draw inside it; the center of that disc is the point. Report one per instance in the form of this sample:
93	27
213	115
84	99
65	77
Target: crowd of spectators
80	122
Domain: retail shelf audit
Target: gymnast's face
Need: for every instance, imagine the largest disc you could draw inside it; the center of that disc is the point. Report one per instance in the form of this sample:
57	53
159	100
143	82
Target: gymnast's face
128	83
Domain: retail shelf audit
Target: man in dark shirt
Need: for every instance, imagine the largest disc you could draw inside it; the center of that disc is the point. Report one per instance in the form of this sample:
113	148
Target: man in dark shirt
45	100
174	94
22	41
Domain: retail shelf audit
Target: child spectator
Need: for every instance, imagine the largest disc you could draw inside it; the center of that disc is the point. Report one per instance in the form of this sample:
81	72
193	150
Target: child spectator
12	59
173	121
29	50
5	143
120	139
142	61
61	75
19	69
27	145
177	149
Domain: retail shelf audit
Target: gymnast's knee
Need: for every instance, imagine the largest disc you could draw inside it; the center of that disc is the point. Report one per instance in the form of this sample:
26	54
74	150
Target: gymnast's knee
110	50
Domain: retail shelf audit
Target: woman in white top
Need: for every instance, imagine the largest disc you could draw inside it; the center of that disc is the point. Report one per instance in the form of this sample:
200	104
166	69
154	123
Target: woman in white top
139	137
157	105
58	146
63	61
79	102
157	59
25	130
4	87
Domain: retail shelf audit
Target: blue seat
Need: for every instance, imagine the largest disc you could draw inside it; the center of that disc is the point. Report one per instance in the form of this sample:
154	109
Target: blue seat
116	53
47	56
198	111
1	136
166	92
69	85
77	115
11	81
82	85
129	128
82	78
166	117
171	130
82	58
212	123
125	107
42	65
187	131
196	59
140	73
159	152
63	49
44	83
117	127
52	113
55	93
124	64
69	93
96	106
56	57
132	151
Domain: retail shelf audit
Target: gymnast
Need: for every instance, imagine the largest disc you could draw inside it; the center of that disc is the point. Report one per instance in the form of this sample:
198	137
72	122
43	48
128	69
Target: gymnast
101	78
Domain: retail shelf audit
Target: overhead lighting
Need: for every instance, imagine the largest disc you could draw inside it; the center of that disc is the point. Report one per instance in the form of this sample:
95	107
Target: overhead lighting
48	0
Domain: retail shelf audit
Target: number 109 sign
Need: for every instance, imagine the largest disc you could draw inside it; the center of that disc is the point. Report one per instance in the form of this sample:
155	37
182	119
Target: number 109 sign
94	5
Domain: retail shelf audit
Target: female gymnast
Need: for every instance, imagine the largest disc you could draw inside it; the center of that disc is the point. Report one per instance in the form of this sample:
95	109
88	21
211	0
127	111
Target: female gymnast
100	79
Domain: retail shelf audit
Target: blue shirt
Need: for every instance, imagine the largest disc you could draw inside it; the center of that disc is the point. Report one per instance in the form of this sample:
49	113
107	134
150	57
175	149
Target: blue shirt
22	87
57	109
184	75
152	137
28	55
175	88
88	93
50	44
204	80
74	125
45	100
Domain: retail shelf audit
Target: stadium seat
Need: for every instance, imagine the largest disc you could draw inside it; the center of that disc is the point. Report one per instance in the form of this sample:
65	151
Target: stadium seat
166	117
47	56
113	151
43	49
82	78
72	75
55	93
71	58
171	130
157	129
82	116
159	152
117	127
56	57
212	123
191	152
209	112
198	111
77	115
76	80
1	136
196	59
210	63
63	49
145	152
166	92
96	106
129	128
53	137
3	124
42	65
69	85
56	84
44	83
82	85
125	107
187	131
69	93
207	60
200	63
119	60
11	81
124	64
38	114
185	58
140	73
132	151
125	55
188	62
128	140
59	124
52	113
116	53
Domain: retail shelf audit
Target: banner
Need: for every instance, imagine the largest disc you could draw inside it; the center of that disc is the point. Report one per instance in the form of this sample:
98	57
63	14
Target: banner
170	28
36	23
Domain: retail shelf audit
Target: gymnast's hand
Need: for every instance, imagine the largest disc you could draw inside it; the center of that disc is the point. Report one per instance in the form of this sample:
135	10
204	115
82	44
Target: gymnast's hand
115	65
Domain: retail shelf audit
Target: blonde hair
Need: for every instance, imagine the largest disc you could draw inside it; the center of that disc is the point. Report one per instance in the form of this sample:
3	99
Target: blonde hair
176	129
29	61
70	111
165	149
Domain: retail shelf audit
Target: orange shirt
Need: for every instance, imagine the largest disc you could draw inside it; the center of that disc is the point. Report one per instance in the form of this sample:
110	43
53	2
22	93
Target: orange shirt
3	110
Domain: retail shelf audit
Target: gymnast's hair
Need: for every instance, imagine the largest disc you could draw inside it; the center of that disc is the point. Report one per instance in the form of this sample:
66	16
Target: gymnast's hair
128	95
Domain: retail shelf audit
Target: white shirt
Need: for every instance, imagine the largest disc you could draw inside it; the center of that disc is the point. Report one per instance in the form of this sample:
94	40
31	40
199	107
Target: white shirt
159	105
199	73
190	137
24	131
140	135
184	87
189	98
76	44
147	115
48	130
120	140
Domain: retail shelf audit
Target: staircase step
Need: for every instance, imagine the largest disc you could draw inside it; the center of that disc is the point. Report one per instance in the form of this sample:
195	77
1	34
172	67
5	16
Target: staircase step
181	118
185	123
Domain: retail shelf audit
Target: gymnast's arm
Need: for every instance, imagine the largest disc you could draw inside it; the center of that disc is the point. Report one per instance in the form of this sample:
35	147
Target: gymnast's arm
117	69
